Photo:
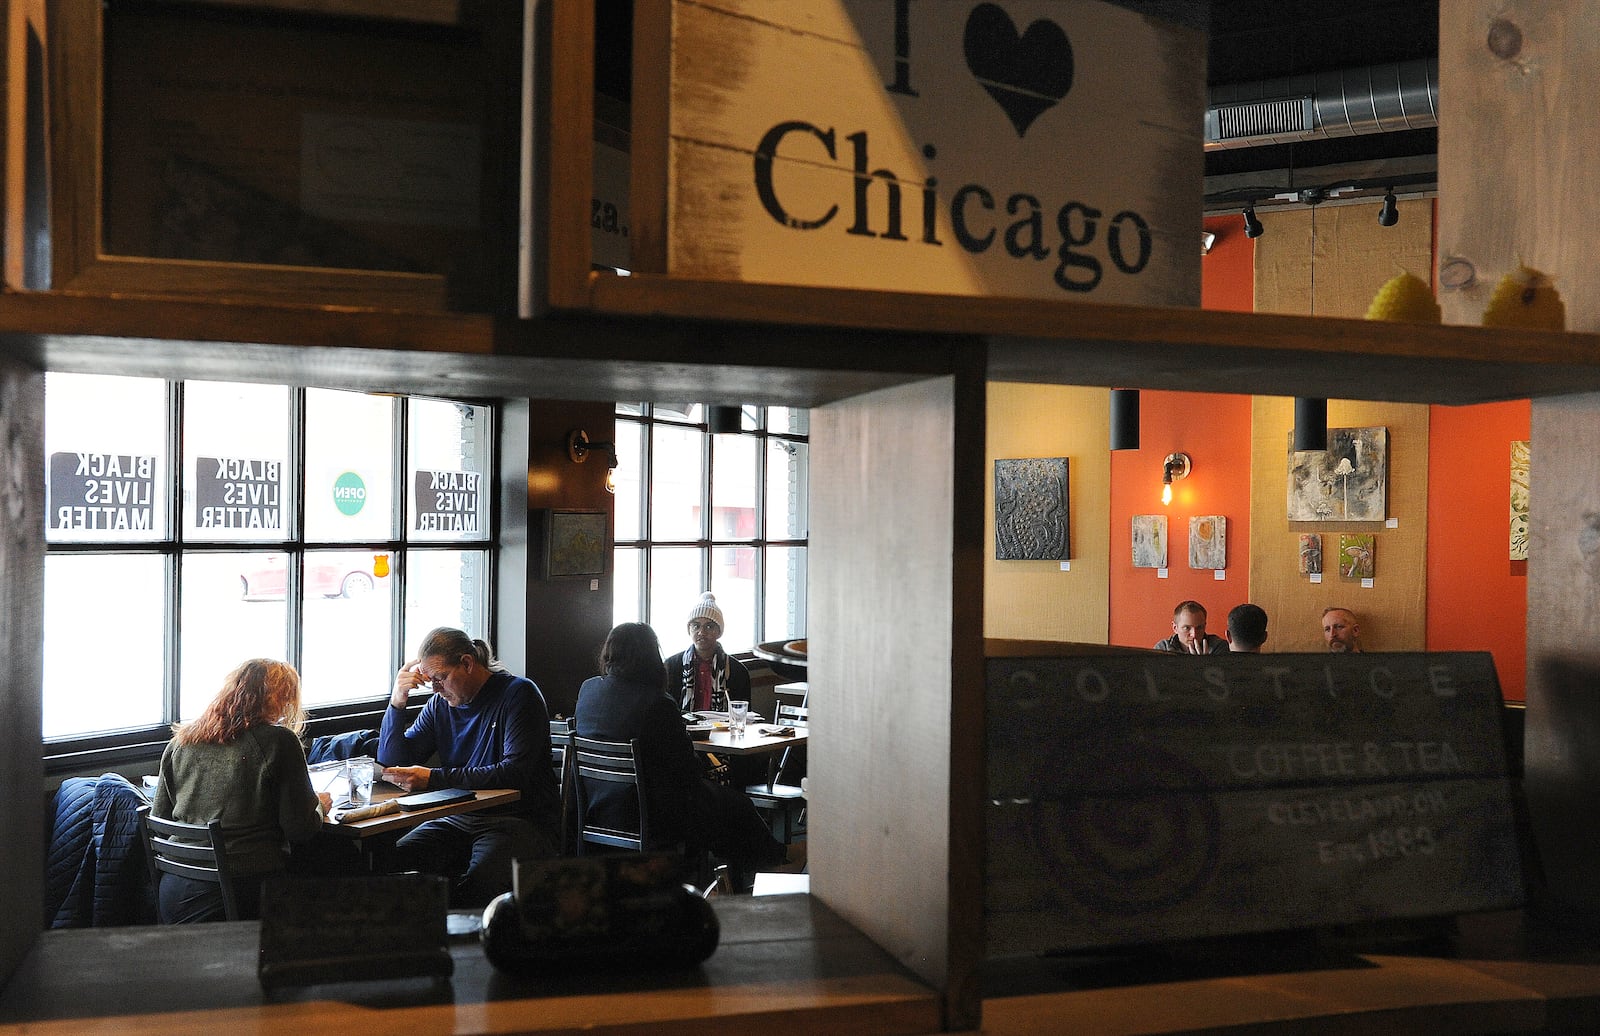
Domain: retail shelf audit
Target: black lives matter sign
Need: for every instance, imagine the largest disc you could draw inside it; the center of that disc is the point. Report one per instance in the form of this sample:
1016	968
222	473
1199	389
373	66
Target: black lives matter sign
447	501
238	493
102	492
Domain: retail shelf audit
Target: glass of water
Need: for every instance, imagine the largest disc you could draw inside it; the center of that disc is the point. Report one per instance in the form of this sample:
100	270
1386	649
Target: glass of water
738	714
359	773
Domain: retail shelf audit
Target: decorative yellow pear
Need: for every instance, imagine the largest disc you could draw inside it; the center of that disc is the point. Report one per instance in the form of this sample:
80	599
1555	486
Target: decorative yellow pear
1527	299
1404	297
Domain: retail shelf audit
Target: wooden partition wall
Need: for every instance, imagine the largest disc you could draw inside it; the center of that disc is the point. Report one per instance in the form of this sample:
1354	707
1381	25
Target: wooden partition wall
21	633
896	632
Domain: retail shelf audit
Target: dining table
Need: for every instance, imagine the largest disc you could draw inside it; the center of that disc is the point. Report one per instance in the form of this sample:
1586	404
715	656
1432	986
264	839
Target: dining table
404	819
758	739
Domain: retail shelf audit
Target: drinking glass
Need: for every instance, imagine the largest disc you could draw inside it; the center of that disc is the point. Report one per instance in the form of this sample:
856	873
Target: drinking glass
738	713
359	774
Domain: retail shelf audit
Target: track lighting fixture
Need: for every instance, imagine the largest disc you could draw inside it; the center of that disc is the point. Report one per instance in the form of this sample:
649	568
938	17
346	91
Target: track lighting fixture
1388	216
1252	226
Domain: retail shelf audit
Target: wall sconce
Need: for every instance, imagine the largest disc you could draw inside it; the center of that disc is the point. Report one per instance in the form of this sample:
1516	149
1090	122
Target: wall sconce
579	447
1177	466
1207	239
1124	419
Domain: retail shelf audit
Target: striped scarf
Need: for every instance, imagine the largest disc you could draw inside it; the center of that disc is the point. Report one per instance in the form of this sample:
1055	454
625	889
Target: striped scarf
719	682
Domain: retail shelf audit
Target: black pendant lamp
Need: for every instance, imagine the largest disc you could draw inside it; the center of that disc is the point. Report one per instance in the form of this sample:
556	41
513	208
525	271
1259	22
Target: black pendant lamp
1310	425
1124	419
724	420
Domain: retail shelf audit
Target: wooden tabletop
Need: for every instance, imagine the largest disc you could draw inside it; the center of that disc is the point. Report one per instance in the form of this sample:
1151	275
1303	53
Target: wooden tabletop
382	791
752	742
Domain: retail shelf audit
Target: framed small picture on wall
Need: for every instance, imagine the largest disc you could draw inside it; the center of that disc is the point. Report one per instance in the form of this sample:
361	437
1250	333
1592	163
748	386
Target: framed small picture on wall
574	544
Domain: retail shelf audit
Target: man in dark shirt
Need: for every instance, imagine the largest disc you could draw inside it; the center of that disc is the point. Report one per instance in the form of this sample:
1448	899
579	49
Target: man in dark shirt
489	729
1247	629
1189	636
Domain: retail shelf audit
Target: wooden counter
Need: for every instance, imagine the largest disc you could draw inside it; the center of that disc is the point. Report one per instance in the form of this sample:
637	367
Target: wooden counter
786	965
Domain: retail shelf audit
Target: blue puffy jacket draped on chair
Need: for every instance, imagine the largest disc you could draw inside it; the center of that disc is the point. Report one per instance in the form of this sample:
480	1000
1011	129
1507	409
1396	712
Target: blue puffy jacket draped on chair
95	872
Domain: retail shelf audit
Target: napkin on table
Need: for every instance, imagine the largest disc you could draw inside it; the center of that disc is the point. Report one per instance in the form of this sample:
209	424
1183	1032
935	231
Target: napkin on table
377	809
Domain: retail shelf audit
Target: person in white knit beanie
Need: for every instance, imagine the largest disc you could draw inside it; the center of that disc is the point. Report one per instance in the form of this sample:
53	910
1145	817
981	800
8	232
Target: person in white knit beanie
704	677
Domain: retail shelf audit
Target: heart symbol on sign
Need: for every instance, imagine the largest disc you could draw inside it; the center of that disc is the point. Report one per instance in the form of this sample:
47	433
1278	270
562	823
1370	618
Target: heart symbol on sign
1025	73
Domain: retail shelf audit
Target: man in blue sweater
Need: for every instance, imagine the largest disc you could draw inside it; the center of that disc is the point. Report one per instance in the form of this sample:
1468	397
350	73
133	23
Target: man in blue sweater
488	729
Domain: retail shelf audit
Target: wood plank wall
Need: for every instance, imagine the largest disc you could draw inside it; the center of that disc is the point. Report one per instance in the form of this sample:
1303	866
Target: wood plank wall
1514	187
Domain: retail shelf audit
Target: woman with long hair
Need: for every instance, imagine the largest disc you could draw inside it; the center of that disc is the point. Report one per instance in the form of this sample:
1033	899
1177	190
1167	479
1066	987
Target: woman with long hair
241	762
627	703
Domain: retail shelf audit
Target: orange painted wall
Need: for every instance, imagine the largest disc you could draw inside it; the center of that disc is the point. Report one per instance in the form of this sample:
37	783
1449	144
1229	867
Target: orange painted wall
1214	431
1227	275
1477	596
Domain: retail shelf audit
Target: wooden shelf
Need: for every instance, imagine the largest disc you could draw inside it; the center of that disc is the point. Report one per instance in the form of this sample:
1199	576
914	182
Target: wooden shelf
1195	350
657	337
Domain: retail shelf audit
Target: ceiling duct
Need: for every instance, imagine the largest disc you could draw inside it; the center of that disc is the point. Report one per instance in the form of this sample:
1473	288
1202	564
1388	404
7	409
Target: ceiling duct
1343	102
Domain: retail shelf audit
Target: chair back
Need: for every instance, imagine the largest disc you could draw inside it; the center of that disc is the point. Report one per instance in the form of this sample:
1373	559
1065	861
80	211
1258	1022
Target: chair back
559	729
594	764
792	715
190	851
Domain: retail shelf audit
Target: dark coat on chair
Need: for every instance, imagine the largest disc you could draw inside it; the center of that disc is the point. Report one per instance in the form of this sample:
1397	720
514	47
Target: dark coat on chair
95	872
610	709
349	745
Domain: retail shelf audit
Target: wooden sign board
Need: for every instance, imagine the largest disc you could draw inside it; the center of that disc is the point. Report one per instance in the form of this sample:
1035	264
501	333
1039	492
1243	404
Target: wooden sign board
353	929
1029	148
1150	799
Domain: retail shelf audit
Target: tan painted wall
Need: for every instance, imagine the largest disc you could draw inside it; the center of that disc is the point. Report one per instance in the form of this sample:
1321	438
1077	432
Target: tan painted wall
1331	261
1035	600
1393	612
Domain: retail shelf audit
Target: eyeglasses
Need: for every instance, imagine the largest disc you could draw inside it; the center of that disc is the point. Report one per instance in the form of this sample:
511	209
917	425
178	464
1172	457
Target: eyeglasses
703	626
436	677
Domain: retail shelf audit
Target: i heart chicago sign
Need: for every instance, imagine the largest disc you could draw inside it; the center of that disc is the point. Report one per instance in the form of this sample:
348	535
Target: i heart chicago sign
1033	148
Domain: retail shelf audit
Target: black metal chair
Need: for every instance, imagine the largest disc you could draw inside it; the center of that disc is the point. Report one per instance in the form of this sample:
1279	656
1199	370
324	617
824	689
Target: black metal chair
783	804
616	763
192	851
611	762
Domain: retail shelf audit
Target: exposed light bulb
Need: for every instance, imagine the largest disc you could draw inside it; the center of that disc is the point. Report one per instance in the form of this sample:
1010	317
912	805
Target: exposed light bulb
1166	492
611	480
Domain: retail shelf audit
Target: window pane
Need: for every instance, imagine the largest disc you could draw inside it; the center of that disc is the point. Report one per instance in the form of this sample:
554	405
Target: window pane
786	593
106	461
675	586
627	476
733	580
628	576
445	588
733	487
677	478
348	628
635	409
788	488
235	458
222	624
789	420
349	475
449	445
108	607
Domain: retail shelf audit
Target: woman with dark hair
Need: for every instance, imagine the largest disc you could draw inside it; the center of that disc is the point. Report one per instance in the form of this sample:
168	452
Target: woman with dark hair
627	703
240	761
488	729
